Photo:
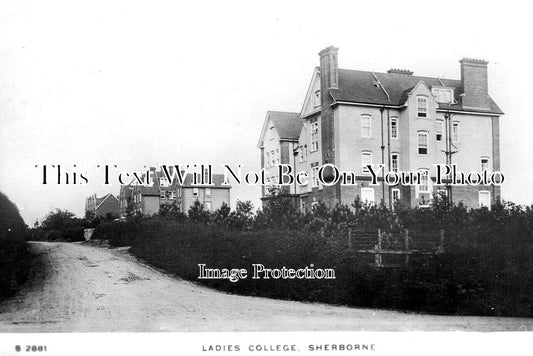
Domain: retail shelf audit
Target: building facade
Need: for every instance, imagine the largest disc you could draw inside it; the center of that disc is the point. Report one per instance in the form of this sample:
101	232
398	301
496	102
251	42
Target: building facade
353	118
107	205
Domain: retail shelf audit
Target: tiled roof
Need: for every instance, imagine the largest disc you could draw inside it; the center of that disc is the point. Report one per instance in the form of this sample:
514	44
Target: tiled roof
288	124
359	87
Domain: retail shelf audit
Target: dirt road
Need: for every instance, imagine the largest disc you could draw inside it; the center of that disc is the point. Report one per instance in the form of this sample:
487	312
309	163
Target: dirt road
80	288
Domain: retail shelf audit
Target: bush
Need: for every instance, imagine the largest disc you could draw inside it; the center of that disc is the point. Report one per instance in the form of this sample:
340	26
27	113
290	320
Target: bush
15	258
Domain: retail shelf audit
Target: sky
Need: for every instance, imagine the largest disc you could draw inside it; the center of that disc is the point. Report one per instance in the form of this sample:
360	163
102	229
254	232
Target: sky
136	83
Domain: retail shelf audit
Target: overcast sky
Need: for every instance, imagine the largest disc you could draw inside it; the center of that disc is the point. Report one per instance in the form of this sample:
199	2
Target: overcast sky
141	83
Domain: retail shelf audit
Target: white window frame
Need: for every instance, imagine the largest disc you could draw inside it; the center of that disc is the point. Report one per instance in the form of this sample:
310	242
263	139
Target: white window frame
366	118
364	164
397	161
314	175
162	194
172	195
422	110
419	144
277	156
394	124
456	132
268	159
272	158
208	192
424	182
439	129
486	193
398	193
314	136
484	158
366	200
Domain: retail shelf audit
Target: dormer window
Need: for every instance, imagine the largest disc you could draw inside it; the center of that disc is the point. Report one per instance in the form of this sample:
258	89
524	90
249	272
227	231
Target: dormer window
317	98
422	106
443	95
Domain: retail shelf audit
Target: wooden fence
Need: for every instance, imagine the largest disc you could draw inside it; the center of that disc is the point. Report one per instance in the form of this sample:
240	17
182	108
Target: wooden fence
393	249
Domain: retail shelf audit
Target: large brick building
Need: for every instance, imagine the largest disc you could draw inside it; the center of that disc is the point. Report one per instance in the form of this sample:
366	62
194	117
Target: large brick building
351	118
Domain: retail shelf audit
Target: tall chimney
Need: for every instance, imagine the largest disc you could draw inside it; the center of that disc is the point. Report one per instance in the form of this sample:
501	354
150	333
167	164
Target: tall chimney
329	73
474	83
329	79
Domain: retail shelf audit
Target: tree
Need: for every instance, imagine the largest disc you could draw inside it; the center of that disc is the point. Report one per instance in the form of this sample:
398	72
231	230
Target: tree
58	220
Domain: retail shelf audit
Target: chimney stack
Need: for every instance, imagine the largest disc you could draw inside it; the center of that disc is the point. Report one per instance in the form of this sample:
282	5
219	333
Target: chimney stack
329	74
474	83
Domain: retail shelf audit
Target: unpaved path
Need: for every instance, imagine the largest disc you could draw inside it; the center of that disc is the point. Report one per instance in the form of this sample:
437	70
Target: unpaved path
80	288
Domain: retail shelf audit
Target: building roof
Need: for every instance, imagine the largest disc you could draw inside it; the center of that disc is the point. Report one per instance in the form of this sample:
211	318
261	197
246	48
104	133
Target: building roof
100	201
288	124
358	86
218	179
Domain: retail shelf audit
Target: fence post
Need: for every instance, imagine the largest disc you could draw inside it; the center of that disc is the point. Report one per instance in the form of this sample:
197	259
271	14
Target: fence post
349	238
406	244
378	255
441	242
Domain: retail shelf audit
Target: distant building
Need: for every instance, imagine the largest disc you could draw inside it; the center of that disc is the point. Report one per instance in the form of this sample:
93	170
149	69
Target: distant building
149	200
108	204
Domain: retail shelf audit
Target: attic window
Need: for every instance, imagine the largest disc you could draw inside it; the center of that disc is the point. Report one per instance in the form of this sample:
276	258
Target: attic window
443	95
272	135
317	98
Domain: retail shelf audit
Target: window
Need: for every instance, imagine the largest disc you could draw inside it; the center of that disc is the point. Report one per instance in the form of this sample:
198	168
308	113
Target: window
484	164
422	143
272	134
272	158
423	186
163	182
422	106
208	192
443	95
366	159
395	194
277	155
195	192
317	98
439	125
394	127
314	174
455	131
366	126
314	136
172	195
303	153
484	199
367	195
268	160
162	194
208	206
394	162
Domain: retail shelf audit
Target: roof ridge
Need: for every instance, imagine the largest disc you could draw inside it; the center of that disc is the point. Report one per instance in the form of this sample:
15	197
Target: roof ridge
385	73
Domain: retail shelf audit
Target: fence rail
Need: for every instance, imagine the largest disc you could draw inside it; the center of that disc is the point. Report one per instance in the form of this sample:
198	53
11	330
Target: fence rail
393	249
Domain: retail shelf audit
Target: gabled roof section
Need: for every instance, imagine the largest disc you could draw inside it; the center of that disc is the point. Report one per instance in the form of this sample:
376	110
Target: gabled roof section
287	124
308	107
356	86
100	201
